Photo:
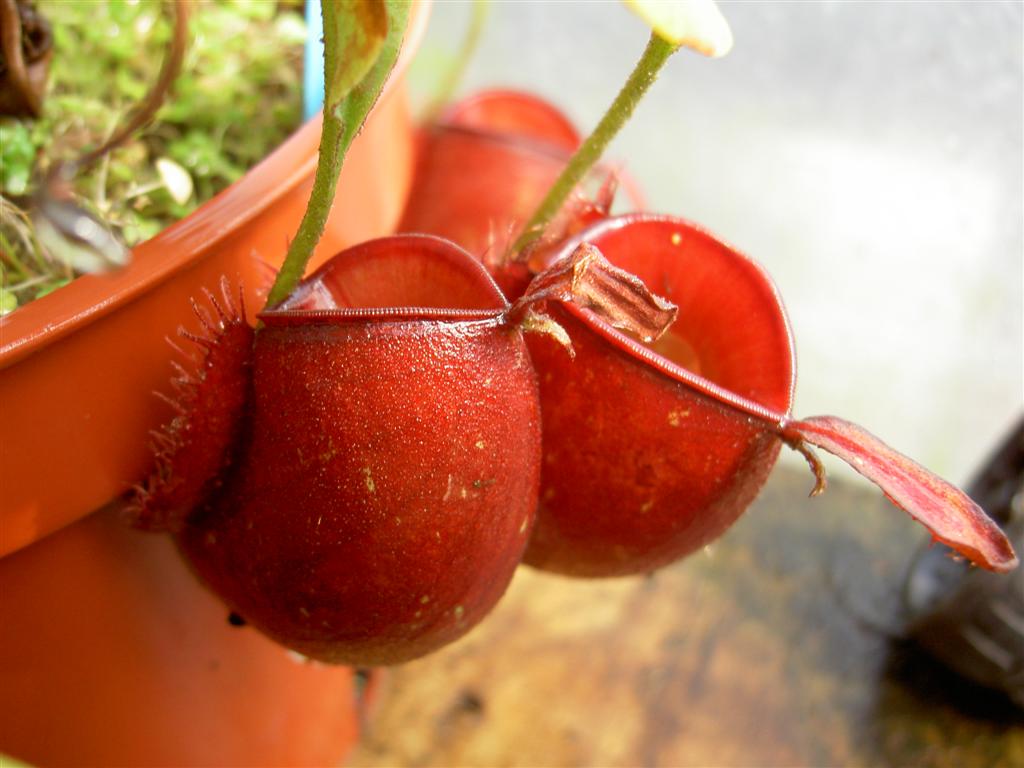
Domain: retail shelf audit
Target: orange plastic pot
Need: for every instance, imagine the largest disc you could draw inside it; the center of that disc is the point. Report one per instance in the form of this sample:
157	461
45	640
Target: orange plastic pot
111	652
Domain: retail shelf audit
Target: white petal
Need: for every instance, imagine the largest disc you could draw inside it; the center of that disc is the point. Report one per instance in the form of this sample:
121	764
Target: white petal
697	24
176	179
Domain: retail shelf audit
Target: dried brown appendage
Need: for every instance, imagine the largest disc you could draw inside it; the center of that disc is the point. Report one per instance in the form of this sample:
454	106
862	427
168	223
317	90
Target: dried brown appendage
193	449
817	468
588	280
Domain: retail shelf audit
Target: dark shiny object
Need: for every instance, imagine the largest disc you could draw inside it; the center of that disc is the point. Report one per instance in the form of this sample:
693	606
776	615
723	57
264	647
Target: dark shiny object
973	620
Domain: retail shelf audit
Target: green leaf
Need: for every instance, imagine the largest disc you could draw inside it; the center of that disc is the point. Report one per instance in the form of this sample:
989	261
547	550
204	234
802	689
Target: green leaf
360	28
362	98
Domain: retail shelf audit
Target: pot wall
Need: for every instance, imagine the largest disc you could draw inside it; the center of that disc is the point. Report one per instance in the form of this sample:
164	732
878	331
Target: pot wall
120	657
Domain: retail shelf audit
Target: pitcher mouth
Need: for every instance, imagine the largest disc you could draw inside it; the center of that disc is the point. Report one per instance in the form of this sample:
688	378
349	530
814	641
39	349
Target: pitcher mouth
677	372
666	365
346	315
402	278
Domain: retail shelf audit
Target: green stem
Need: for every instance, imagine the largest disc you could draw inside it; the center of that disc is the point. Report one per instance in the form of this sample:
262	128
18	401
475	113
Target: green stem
328	169
640	80
345	110
300	250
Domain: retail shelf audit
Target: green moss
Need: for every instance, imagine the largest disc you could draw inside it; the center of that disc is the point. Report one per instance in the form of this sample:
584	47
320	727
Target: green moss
237	97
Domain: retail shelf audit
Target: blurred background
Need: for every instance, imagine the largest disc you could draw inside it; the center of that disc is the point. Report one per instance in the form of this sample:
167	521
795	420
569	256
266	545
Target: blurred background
868	154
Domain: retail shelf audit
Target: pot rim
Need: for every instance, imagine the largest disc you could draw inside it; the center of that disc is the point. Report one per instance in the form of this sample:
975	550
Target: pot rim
88	298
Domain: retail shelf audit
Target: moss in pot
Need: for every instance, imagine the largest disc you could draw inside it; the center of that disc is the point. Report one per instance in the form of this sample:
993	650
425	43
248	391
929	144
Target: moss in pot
207	133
